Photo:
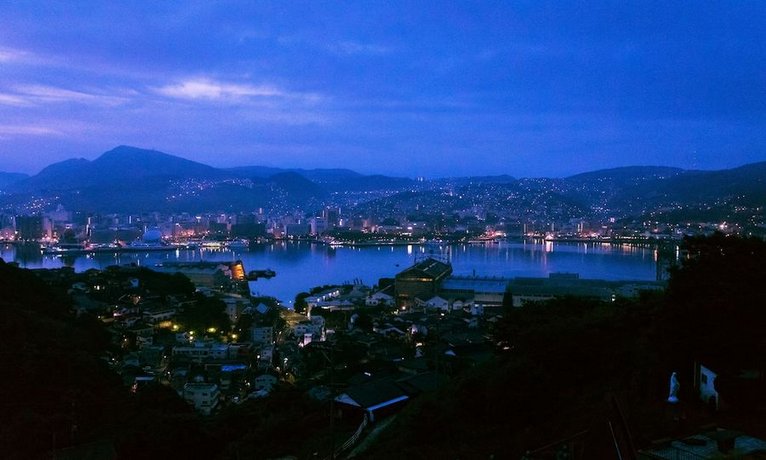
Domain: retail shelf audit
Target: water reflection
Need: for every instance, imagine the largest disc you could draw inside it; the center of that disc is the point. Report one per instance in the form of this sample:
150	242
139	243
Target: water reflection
302	265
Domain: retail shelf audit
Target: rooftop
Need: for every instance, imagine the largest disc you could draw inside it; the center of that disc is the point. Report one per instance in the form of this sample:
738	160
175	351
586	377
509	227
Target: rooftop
475	283
430	267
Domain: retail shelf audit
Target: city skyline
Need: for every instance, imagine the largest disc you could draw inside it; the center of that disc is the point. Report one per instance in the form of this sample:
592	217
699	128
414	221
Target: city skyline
530	90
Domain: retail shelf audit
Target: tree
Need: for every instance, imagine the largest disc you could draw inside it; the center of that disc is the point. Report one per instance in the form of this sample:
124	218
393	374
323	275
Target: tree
300	304
204	313
507	300
716	299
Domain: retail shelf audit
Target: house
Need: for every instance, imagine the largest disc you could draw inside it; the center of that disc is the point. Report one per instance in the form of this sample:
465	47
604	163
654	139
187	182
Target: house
157	316
309	330
721	385
387	329
476	309
437	303
201	351
323	296
203	396
262	308
331	305
264	382
379	299
463	304
375	399
705	382
235	305
262	335
265	357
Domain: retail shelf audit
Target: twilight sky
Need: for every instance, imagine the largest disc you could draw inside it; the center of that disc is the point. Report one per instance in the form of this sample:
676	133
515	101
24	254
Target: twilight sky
527	88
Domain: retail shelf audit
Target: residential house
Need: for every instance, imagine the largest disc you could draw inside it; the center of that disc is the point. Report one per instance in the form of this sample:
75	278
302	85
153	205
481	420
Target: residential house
203	396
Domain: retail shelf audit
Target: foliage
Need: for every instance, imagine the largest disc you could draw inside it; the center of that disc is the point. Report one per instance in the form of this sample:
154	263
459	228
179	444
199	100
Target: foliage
53	379
271	427
717	299
203	313
300	304
166	284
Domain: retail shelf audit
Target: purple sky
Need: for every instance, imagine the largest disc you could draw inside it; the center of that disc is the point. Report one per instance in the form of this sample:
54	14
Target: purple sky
527	88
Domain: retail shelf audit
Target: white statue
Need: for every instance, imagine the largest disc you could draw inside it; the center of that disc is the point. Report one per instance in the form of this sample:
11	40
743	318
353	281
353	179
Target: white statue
674	385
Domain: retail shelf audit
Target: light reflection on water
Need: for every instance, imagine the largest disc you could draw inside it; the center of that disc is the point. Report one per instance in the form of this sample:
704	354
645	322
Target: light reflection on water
300	266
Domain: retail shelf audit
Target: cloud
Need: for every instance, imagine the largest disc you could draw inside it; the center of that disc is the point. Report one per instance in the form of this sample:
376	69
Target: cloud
31	95
352	48
28	130
210	89
44	93
10	55
13	99
206	89
341	47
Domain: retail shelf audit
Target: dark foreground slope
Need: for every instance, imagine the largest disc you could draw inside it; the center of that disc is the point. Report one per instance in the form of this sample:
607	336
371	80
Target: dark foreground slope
570	360
57	394
60	399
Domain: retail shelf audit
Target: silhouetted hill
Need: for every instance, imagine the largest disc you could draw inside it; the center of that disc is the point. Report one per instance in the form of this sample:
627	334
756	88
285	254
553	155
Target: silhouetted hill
120	165
499	179
373	182
128	163
331	179
296	185
61	175
7	178
255	171
132	179
743	185
328	174
627	173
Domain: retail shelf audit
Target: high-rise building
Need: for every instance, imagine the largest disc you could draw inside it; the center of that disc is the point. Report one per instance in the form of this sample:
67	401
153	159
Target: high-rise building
30	228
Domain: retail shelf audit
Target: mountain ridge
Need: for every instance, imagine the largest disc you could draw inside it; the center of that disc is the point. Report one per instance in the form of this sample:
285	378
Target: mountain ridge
126	178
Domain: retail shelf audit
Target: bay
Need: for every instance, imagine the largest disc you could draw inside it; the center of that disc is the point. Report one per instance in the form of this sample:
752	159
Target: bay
302	265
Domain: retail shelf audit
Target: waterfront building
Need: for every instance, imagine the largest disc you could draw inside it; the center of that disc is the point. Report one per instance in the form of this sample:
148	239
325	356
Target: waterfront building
296	230
487	291
421	281
318	225
32	228
217	275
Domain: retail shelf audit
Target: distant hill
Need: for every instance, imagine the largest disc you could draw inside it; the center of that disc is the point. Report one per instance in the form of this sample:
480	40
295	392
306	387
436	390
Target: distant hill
627	173
7	178
61	175
133	179
744	185
602	187
122	165
296	185
255	171
499	179
331	179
